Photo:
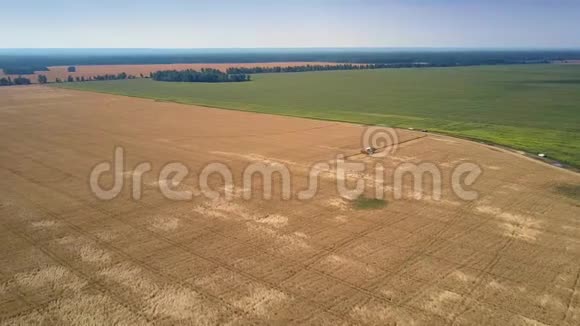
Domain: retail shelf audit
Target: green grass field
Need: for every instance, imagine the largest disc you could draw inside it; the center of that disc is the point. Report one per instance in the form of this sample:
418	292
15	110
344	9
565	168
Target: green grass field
535	108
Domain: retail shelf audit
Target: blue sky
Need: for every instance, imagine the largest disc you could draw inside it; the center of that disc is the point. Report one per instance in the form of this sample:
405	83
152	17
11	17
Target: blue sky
299	23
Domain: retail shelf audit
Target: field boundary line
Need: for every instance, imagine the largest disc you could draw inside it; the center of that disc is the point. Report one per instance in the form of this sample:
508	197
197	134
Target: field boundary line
513	150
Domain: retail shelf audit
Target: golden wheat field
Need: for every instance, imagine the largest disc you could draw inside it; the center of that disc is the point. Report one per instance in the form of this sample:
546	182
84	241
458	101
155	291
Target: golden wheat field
509	257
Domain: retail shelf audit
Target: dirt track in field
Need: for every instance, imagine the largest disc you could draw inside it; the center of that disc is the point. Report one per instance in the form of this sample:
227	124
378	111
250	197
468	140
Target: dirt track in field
511	257
136	70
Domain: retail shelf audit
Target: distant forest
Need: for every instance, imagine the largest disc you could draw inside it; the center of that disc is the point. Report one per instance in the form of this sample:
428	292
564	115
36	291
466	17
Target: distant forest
7	81
346	66
42	79
206	75
27	61
22	70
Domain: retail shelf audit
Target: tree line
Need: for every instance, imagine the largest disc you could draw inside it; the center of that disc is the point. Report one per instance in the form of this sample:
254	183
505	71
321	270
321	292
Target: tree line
23	70
118	76
7	81
346	66
42	79
206	75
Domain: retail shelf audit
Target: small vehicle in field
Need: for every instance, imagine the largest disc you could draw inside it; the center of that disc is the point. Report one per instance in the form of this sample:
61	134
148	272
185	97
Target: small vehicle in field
369	150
